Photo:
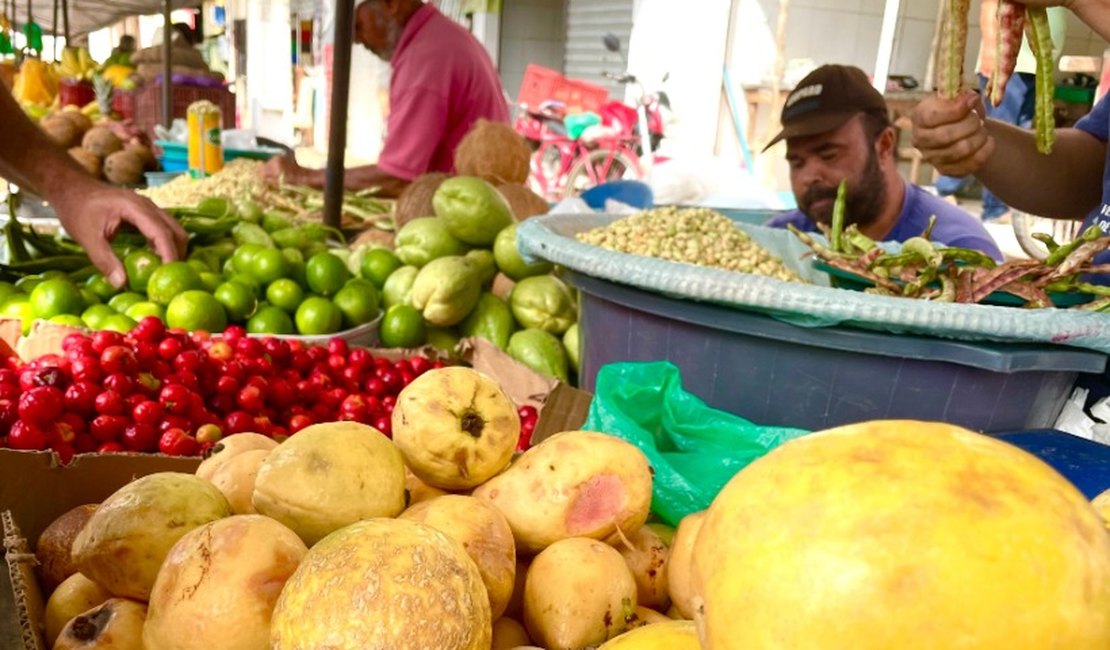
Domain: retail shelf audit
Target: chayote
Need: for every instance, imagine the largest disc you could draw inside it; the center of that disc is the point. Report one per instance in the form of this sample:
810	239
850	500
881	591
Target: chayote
472	209
540	351
491	320
543	302
422	240
446	290
509	260
570	342
485	264
397	289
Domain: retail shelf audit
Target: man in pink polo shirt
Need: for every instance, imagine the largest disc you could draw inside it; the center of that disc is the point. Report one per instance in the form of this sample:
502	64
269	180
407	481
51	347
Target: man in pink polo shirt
443	82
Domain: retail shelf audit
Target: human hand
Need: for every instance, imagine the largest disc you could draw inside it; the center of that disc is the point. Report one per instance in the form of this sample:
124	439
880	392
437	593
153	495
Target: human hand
281	169
92	212
951	135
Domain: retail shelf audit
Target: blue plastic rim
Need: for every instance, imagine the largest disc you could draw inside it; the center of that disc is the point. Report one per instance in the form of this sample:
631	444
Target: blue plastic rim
629	192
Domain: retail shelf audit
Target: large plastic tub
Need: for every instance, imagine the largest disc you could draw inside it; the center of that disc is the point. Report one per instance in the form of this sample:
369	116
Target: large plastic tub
775	373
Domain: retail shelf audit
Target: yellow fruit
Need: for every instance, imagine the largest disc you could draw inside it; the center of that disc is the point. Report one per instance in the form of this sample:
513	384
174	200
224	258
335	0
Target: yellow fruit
455	427
574	484
236	478
899	534
230	447
578	592
485	535
508	634
219	584
680	585
116	624
383	583
76	595
329	476
646	556
127	538
667	635
418	490
1101	504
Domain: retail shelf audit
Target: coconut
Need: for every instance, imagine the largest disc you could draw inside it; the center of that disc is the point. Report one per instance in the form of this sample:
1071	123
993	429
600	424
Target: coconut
60	130
495	152
143	152
86	159
53	548
101	141
123	168
523	202
79	120
416	199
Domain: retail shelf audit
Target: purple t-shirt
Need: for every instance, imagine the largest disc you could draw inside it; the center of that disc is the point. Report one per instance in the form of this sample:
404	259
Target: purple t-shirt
1097	123
954	227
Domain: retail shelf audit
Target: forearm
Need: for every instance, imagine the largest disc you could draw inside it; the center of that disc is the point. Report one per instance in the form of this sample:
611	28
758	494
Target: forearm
1066	184
356	178
32	160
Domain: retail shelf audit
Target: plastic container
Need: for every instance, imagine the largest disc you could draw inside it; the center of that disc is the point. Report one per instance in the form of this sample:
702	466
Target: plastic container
156	179
775	373
542	84
175	155
363	335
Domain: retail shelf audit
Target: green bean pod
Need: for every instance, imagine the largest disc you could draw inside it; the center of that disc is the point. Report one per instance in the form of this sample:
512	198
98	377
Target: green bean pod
1040	42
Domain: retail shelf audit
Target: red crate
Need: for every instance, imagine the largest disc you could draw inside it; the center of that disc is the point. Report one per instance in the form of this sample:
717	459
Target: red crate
544	84
75	93
144	105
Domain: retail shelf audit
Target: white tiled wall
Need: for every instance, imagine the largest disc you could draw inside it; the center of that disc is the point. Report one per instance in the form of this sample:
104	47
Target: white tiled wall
532	31
847	31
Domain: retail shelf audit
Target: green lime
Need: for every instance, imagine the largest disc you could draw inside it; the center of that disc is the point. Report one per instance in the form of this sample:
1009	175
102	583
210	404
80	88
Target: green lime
118	323
210	280
249	211
358	301
215	207
56	296
317	316
294	255
18	305
326	274
246	281
89	297
238	299
196	310
402	327
378	264
443	338
198	265
68	320
270	320
27	283
99	285
54	275
285	294
140	265
243	255
94	316
141	310
315	248
269	265
170	280
121	302
7	289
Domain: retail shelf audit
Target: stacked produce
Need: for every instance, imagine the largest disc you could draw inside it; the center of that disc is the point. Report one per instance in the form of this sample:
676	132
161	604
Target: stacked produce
459	273
312	543
692	235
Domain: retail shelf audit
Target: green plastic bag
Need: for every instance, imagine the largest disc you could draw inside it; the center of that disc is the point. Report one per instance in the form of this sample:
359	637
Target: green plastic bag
695	450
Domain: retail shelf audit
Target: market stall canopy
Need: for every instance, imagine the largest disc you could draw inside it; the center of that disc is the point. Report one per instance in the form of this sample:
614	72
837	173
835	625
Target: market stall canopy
90	15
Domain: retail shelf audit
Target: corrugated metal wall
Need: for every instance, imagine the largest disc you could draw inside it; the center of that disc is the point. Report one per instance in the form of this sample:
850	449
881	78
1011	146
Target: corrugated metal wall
587	21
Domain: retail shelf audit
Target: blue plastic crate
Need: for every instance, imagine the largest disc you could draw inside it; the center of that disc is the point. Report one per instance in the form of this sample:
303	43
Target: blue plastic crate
1083	462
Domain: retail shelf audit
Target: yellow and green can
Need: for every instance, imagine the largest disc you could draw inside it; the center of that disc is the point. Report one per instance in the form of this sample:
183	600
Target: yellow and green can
206	154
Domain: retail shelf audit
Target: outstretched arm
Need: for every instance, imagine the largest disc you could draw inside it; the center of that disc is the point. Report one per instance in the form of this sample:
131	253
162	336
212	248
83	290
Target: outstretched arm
90	211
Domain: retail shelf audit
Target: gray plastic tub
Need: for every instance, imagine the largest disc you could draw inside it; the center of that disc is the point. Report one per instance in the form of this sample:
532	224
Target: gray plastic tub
775	373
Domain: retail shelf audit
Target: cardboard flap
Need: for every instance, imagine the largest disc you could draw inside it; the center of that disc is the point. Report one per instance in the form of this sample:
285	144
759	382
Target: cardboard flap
29	603
522	384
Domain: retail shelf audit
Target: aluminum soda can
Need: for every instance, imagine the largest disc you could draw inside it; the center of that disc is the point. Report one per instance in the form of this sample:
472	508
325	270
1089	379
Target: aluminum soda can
206	154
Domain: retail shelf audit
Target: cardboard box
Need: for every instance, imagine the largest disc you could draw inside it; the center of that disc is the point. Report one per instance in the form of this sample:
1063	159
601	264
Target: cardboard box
35	488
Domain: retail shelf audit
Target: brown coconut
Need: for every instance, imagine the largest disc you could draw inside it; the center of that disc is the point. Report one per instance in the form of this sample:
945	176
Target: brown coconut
416	199
144	153
101	141
60	130
522	201
86	159
79	119
53	548
123	168
495	152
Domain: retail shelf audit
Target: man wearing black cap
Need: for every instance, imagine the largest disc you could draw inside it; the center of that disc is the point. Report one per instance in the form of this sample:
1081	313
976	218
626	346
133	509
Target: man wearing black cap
836	128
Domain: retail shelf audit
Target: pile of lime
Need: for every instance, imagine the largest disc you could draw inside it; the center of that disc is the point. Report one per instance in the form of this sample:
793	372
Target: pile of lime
268	290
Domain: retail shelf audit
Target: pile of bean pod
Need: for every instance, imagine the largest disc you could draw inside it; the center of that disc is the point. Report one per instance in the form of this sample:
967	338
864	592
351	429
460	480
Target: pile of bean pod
693	235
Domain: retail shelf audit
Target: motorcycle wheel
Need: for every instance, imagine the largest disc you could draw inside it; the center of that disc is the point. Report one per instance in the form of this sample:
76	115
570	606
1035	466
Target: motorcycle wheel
592	169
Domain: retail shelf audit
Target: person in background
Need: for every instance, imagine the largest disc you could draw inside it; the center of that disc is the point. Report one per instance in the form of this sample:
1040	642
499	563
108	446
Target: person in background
186	58
90	211
121	53
837	128
443	82
1018	101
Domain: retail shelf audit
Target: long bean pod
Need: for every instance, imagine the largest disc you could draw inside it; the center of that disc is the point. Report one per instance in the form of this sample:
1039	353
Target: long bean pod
1010	23
950	70
1040	41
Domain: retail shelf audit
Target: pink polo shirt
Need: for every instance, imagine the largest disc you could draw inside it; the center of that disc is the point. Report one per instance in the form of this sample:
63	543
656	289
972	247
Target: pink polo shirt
443	82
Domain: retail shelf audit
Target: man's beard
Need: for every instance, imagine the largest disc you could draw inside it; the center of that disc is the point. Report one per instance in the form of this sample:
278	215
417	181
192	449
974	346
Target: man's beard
864	202
392	35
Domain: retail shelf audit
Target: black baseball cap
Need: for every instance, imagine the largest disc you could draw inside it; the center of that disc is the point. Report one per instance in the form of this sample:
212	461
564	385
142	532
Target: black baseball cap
826	99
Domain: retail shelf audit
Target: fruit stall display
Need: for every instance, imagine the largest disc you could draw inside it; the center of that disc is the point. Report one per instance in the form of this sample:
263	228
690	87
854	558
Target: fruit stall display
343	537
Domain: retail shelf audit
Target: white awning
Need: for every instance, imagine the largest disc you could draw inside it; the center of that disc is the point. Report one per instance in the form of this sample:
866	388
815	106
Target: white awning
90	15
